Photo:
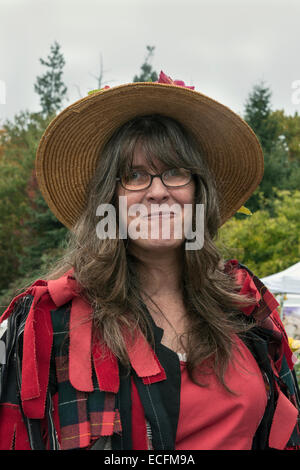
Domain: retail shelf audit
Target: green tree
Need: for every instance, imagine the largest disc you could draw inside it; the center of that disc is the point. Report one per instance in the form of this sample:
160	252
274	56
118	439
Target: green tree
19	142
265	242
30	236
44	228
147	73
268	127
258	114
289	127
50	86
277	176
289	130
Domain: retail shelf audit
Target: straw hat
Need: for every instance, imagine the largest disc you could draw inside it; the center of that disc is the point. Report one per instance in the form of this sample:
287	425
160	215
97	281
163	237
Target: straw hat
69	148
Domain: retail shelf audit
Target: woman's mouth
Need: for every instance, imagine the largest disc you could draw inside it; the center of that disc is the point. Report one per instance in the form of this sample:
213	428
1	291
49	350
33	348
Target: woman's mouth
162	215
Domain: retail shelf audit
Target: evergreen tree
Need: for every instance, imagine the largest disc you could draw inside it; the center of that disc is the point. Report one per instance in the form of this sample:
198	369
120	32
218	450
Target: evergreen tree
48	233
50	86
267	127
258	114
147	73
30	235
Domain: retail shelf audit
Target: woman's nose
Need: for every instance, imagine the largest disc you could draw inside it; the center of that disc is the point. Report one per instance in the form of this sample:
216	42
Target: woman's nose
157	190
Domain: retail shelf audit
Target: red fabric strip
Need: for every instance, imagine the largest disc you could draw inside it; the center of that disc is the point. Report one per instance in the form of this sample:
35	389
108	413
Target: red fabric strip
286	350
11	306
30	380
106	367
62	290
248	288
38	338
80	364
13	433
158	377
139	429
284	421
141	356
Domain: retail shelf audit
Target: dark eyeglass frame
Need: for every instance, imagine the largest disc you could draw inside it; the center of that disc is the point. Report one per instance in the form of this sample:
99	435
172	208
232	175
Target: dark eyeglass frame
160	176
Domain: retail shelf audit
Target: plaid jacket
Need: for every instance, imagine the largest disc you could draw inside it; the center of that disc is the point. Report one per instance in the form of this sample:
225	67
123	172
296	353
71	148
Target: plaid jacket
60	390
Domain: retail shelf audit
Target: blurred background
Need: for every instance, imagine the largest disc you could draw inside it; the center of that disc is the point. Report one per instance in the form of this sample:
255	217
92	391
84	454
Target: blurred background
243	53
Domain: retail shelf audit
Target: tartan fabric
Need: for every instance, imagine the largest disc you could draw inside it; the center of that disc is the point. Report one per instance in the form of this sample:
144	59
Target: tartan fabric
83	416
86	416
266	316
264	313
15	423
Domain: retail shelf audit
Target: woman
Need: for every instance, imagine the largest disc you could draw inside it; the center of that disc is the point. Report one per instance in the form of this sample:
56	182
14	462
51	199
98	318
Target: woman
142	336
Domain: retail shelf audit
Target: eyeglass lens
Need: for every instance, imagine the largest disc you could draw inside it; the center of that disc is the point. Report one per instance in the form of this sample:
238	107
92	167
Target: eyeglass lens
138	179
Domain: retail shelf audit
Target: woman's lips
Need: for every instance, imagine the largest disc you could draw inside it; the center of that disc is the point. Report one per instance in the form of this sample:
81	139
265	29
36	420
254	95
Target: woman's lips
160	215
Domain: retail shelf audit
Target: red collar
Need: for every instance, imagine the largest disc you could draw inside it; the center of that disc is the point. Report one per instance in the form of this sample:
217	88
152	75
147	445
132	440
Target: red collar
142	357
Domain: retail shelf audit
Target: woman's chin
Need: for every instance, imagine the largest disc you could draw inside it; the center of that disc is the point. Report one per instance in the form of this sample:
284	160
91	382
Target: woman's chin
157	245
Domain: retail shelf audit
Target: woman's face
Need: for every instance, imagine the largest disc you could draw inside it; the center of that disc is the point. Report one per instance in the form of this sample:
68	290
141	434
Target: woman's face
155	228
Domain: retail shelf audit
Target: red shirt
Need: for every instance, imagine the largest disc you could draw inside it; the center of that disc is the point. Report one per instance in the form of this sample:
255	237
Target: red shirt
211	418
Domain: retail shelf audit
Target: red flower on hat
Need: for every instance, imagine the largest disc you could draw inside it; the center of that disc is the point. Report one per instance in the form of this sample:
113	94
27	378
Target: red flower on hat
163	78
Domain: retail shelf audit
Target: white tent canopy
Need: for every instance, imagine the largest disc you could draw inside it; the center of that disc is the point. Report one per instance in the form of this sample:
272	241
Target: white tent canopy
284	282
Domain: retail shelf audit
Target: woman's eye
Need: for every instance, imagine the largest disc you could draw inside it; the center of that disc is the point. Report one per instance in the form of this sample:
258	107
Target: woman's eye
172	172
135	175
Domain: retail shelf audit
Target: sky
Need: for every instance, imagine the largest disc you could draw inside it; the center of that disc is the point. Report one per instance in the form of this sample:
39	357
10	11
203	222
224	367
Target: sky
222	47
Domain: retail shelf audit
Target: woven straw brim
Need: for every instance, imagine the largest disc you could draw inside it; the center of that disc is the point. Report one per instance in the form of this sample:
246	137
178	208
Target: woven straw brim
70	147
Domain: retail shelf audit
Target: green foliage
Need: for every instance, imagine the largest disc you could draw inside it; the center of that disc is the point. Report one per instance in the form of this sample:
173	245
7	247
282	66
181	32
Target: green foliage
265	242
19	142
47	232
19	283
28	229
289	129
147	74
278	174
258	115
50	86
280	141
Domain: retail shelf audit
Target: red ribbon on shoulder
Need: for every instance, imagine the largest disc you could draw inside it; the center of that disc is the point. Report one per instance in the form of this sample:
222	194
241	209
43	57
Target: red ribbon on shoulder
63	290
267	314
38	340
37	345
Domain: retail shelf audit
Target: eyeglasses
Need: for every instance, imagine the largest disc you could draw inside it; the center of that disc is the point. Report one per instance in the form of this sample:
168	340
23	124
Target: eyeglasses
137	180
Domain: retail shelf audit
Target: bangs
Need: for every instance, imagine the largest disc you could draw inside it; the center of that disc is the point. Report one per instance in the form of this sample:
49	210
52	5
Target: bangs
160	138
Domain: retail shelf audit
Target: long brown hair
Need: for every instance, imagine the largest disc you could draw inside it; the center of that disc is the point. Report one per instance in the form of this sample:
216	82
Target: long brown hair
107	272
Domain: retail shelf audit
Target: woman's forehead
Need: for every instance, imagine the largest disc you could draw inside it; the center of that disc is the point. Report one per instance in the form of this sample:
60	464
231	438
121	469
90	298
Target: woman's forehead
141	159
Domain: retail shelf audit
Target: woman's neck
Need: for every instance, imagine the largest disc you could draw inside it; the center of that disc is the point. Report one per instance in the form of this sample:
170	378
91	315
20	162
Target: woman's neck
160	274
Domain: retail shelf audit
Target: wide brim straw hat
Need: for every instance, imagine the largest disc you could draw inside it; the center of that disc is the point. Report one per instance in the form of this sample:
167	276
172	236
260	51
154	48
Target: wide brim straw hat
69	149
